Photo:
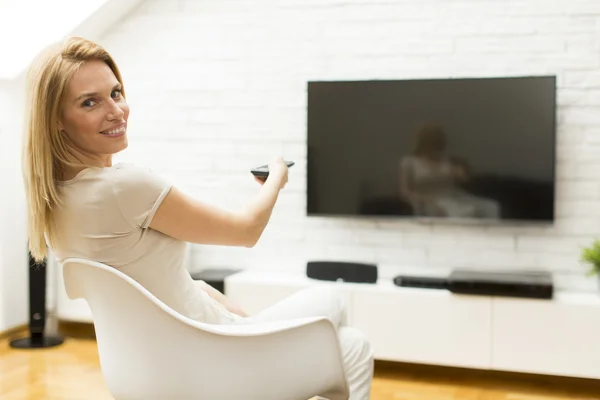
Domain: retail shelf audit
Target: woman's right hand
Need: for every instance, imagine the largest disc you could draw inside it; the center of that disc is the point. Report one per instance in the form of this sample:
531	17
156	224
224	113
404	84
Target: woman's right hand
187	219
278	171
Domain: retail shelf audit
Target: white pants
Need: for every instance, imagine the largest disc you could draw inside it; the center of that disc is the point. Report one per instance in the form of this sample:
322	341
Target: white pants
326	300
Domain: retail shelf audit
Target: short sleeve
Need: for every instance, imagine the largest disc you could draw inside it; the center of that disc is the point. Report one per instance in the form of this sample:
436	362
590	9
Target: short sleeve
139	192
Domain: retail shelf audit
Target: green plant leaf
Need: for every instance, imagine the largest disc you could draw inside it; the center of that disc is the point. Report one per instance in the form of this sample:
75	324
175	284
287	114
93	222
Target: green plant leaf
591	256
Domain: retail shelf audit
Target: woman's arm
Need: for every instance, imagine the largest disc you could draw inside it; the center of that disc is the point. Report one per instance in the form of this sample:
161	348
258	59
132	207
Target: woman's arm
185	218
190	220
406	191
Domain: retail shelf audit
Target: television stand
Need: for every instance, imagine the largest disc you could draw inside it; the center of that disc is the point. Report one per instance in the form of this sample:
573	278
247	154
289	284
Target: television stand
438	327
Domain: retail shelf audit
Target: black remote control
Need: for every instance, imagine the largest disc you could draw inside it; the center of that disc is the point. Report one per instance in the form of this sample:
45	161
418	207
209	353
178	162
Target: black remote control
263	170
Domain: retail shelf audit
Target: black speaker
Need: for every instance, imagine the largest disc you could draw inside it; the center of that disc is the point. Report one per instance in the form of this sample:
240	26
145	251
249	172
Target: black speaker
344	271
37	311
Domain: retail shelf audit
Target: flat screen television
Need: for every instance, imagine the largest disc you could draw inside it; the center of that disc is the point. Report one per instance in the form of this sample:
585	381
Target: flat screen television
477	149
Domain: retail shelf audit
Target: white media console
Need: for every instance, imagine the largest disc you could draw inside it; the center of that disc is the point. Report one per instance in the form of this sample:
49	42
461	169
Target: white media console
553	337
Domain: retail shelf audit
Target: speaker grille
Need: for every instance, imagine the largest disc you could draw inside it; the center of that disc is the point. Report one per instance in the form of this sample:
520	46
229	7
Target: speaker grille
344	271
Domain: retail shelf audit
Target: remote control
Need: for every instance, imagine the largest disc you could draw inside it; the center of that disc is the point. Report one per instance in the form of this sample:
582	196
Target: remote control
263	170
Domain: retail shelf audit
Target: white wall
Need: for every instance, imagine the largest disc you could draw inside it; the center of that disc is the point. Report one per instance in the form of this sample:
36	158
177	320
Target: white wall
65	15
14	300
3	173
217	87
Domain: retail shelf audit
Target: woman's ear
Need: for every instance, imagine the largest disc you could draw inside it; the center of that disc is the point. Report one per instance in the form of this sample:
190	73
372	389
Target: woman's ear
60	126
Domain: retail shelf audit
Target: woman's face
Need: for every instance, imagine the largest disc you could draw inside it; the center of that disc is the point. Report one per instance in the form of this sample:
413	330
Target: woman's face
94	114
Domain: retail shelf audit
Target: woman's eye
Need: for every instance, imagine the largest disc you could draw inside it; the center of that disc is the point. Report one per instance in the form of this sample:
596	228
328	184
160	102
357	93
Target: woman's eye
88	103
115	93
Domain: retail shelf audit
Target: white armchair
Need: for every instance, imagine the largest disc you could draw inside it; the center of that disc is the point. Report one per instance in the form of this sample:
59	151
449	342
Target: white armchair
150	352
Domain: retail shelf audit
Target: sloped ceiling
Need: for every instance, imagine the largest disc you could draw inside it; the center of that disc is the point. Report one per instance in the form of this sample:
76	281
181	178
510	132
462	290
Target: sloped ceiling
27	26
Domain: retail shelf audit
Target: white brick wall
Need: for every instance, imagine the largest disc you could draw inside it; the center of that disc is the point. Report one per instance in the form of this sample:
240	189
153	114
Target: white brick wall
219	86
13	236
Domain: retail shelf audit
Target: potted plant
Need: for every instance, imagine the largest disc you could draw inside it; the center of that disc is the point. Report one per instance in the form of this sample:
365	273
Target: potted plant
591	256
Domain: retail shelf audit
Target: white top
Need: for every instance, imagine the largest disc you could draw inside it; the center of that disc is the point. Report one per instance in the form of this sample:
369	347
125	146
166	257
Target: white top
106	218
429	178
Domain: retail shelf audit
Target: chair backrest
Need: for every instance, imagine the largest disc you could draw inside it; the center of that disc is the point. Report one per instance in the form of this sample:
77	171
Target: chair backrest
148	351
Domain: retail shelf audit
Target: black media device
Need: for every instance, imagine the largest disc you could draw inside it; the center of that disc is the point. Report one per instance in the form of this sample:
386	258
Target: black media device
263	170
532	284
369	140
342	271
527	284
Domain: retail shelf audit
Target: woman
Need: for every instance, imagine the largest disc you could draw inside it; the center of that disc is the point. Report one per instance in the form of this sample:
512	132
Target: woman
82	205
430	181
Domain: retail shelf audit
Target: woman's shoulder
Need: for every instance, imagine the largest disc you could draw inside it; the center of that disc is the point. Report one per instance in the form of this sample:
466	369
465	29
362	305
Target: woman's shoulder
135	176
138	191
130	168
120	170
409	160
133	171
123	179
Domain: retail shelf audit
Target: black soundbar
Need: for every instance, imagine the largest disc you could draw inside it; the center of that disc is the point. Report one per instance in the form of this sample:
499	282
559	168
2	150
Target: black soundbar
526	284
342	271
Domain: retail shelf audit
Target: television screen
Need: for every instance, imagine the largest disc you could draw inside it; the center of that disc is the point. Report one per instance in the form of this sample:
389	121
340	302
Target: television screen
475	149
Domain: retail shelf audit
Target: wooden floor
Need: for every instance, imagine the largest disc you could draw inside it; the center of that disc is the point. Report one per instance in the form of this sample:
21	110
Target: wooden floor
72	372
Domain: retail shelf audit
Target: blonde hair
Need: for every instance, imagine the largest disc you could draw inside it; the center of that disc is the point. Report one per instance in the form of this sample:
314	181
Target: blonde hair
45	150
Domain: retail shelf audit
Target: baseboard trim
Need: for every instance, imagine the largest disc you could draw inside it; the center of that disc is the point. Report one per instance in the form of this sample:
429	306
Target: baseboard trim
572	385
78	330
18	330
